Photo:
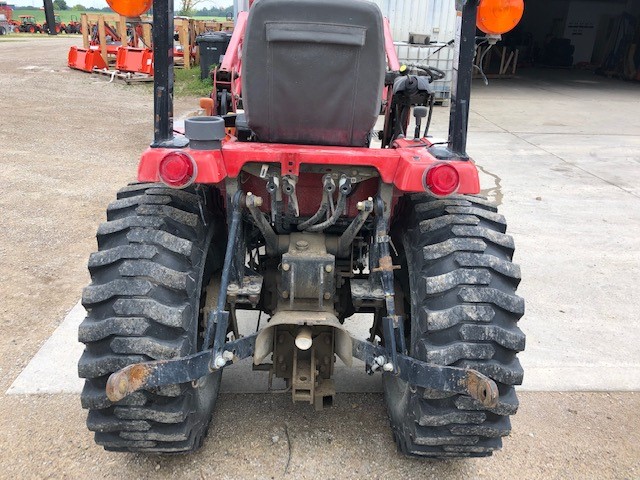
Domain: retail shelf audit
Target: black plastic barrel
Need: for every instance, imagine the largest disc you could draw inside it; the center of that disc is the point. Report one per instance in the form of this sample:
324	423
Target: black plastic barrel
213	46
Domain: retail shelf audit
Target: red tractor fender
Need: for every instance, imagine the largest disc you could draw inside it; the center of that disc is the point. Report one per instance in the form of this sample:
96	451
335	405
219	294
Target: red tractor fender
405	166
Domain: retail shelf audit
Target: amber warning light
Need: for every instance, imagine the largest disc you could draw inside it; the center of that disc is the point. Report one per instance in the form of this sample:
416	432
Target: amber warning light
496	17
130	8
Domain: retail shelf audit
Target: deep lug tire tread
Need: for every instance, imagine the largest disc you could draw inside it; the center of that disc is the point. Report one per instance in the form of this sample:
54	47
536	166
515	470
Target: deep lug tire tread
457	263
143	304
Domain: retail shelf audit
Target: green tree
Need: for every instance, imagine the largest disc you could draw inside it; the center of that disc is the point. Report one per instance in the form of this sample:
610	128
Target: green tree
79	7
60	5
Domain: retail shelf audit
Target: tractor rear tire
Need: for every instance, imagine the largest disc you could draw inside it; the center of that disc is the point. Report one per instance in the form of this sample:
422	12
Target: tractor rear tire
462	311
156	254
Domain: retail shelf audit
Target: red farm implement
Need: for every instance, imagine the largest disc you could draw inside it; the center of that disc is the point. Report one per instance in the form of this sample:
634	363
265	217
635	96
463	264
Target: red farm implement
85	59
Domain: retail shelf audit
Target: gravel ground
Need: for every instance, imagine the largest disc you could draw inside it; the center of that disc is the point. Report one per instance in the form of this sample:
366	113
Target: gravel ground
68	141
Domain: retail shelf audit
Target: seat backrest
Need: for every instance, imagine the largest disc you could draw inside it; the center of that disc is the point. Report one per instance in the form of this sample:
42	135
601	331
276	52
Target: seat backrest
313	71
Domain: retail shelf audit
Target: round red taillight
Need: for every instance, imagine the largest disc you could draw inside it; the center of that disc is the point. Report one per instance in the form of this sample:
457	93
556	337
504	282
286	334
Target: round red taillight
177	170
442	179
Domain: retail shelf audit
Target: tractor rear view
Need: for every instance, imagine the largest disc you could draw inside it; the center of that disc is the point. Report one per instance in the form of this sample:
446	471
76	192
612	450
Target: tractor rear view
278	202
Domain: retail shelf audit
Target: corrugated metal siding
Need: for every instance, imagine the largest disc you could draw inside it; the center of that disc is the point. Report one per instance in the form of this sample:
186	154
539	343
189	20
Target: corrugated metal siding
436	18
430	17
441	20
405	16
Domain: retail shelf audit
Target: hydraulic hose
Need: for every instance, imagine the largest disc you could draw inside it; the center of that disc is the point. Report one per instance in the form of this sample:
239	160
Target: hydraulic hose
342	202
322	211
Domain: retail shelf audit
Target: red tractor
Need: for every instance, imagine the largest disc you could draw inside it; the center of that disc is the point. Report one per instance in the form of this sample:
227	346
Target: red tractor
60	27
28	24
74	25
287	209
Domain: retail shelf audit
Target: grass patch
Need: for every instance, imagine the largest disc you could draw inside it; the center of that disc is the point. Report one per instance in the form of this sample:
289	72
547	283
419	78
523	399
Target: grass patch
215	19
65	15
188	84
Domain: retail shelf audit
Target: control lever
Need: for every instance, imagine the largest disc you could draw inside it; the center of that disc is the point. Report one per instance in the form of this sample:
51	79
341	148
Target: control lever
419	113
289	188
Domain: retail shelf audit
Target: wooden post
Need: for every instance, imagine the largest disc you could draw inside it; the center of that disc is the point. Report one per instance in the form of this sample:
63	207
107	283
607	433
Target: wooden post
198	30
103	39
183	38
146	35
506	65
186	46
122	31
85	30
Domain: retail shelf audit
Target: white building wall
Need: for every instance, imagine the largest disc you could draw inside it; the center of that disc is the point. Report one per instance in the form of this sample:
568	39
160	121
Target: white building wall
436	18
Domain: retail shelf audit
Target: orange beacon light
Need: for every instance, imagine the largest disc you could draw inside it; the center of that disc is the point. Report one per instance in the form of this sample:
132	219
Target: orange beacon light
496	17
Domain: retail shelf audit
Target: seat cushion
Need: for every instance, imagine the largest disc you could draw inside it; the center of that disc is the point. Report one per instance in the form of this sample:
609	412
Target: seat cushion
313	71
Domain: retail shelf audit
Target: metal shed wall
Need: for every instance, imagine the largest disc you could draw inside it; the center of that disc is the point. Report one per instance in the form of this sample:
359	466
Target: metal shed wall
436	18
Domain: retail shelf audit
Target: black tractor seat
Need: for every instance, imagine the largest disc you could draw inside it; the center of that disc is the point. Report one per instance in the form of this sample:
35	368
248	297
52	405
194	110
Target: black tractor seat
313	71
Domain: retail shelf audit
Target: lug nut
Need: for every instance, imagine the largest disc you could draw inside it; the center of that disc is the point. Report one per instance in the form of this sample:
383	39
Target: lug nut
286	267
327	296
329	268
